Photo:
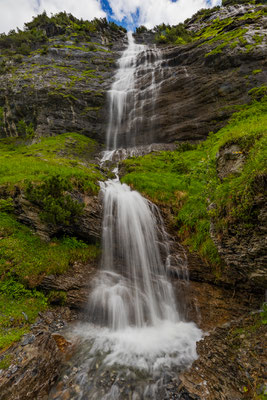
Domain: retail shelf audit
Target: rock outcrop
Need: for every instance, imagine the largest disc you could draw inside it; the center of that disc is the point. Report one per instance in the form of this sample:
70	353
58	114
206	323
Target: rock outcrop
230	365
61	89
198	89
87	226
36	361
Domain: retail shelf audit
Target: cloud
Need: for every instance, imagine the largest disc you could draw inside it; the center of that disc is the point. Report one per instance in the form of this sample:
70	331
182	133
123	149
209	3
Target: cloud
14	13
86	9
154	12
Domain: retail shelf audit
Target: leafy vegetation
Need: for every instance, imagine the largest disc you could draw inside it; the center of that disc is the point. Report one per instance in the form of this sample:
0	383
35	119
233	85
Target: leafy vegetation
18	309
176	34
24	260
58	207
28	258
37	32
186	180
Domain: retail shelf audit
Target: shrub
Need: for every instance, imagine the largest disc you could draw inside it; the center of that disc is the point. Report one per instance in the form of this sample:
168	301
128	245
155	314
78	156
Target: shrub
24	129
58	206
141	29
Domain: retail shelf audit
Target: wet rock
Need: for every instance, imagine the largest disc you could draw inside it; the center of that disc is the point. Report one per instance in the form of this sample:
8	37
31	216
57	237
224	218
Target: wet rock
230	363
243	247
37	359
75	283
32	377
28	340
61	342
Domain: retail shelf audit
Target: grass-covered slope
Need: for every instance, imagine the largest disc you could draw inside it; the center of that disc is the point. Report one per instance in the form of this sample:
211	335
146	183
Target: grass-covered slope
187	181
46	171
24	160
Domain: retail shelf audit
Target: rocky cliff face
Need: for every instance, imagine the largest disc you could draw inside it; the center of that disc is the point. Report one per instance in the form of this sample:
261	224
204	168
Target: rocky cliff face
60	87
203	81
64	87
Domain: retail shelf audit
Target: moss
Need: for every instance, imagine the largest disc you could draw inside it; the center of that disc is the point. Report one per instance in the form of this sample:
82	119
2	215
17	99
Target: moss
6	205
258	92
58	297
5	361
87	110
256	71
62	94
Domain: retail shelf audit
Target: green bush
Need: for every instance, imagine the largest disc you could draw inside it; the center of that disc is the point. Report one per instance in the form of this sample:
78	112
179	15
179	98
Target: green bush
24	129
176	34
141	29
58	206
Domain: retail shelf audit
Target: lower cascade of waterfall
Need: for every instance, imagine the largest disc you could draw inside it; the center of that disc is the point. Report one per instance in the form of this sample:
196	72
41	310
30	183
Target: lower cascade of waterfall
137	341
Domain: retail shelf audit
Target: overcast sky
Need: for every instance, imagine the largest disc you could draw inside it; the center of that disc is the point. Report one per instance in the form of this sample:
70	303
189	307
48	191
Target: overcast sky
14	13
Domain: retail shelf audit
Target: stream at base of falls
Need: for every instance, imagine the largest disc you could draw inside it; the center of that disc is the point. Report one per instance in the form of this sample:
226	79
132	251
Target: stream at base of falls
135	340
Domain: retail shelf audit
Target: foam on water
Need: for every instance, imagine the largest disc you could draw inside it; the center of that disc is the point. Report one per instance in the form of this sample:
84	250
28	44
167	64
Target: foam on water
164	345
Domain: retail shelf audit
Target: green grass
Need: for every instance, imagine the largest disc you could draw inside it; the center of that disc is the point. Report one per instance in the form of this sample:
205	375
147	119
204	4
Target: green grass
28	258
62	155
19	308
46	172
186	180
24	260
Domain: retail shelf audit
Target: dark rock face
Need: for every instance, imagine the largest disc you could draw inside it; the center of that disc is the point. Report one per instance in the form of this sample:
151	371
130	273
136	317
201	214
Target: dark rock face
198	92
65	89
75	283
62	90
37	360
230	364
244	250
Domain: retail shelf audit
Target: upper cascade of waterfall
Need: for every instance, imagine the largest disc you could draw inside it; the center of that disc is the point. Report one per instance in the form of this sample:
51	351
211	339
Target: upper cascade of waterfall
134	84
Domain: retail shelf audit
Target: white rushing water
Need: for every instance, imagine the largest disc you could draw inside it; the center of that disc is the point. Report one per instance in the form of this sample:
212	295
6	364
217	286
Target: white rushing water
134	85
136	333
132	296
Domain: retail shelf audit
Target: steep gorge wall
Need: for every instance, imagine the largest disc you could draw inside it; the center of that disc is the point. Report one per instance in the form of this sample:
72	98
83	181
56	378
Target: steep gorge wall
61	88
199	84
202	82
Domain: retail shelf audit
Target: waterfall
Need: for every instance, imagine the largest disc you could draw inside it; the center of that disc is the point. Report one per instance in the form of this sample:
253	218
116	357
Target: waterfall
132	291
136	340
135	85
132	288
